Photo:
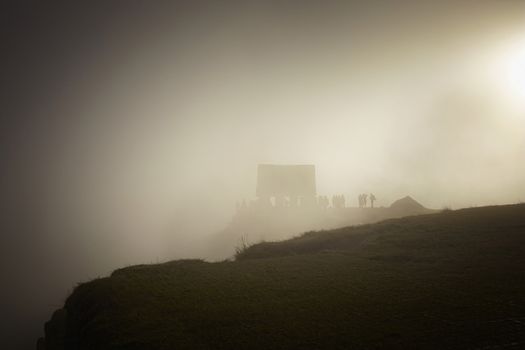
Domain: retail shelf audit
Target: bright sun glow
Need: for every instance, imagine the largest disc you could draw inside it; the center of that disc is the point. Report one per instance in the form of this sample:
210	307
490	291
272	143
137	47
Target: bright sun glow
512	67
504	66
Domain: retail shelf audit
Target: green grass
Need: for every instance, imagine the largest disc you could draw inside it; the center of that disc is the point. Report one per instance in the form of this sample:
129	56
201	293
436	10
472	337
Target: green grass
453	280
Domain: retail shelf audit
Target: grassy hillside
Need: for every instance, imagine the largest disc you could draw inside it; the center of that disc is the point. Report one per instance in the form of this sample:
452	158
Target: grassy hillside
453	280
265	223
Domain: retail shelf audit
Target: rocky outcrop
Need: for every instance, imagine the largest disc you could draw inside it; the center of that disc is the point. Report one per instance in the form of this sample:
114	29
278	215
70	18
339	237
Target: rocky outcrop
55	332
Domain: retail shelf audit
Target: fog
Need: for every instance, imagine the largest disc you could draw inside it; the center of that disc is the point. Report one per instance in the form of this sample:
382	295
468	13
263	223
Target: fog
133	129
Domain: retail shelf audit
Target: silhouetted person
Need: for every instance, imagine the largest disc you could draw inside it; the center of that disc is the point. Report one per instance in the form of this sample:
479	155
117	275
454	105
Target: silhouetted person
365	196
372	199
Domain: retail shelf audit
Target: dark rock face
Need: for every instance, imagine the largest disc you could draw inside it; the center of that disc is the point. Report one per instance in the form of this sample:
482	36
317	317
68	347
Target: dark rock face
41	344
55	332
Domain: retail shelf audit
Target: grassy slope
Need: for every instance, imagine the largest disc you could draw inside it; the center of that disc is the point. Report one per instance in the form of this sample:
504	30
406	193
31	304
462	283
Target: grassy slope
449	280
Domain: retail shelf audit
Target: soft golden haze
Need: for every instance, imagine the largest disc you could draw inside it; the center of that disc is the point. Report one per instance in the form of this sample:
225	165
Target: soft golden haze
133	129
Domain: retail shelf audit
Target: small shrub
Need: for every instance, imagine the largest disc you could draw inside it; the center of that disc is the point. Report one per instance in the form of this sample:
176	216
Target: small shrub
243	245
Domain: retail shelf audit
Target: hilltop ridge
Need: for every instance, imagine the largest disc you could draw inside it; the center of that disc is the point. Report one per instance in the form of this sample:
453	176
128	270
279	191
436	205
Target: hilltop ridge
449	280
255	223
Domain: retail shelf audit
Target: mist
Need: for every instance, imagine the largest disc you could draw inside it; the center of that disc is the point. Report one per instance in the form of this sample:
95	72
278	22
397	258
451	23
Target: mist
133	129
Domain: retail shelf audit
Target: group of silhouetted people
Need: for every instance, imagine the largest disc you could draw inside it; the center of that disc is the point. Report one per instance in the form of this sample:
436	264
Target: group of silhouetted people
338	201
363	198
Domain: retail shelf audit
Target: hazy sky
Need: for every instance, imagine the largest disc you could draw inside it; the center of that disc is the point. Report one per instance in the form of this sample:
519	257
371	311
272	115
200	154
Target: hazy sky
133	127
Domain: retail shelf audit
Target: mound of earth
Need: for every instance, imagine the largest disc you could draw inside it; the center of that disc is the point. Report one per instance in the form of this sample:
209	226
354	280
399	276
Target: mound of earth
407	204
